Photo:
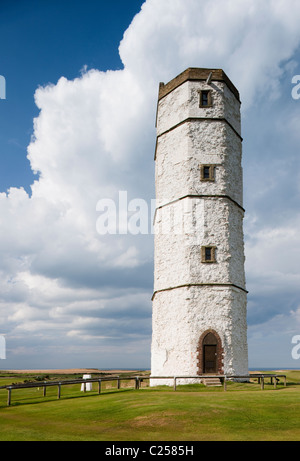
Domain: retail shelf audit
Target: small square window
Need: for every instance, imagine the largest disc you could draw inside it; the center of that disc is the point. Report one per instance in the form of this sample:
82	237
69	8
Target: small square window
208	254
207	172
205	98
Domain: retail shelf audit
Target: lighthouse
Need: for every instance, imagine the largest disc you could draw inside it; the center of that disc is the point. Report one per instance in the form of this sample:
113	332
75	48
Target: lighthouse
199	302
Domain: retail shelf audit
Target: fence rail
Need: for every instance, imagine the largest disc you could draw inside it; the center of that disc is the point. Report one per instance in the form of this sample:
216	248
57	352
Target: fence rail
138	379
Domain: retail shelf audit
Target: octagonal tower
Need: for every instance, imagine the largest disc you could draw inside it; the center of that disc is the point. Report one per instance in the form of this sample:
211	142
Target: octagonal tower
199	301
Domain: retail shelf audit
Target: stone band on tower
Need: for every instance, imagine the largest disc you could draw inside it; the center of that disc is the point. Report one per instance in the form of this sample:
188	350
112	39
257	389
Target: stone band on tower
199	302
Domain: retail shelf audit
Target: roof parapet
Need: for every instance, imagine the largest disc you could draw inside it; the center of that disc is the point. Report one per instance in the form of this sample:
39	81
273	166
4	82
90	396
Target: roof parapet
195	73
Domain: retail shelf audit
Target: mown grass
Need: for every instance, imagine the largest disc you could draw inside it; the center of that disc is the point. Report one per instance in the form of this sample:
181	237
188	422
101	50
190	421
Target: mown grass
192	413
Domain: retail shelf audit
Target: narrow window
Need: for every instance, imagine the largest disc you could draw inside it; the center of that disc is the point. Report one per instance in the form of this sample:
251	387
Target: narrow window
207	172
208	254
205	98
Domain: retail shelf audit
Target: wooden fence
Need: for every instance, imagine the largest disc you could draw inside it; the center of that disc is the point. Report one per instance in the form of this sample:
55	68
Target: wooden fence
137	380
274	378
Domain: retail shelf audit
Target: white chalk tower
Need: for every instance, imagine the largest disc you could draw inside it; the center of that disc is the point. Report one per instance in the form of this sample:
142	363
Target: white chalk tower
199	321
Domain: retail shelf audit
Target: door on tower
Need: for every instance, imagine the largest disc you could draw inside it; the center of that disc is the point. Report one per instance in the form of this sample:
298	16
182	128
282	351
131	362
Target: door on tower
210	353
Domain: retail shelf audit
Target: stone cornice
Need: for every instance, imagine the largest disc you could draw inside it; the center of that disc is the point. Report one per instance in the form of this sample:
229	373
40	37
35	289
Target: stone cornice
196	119
201	196
188	285
200	74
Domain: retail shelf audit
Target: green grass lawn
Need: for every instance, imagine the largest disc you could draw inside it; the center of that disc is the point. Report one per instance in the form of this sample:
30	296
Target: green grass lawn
192	413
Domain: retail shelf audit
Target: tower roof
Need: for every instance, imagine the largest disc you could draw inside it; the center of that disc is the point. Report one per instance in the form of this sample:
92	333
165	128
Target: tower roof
196	73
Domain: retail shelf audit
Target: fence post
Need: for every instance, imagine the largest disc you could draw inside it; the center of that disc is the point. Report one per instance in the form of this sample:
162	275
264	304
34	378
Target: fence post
118	382
9	396
99	386
137	382
262	382
58	393
44	391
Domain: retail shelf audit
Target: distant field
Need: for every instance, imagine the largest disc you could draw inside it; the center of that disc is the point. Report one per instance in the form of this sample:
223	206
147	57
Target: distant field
192	413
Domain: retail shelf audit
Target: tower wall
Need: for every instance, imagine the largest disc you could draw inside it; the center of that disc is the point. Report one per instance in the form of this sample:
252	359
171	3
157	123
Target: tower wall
191	295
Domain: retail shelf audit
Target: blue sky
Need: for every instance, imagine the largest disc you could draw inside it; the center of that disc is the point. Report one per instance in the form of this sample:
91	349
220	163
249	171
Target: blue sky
78	126
40	42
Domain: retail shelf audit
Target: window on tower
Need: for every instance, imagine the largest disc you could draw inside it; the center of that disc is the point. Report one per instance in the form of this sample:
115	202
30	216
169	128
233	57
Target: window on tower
208	254
205	98
207	172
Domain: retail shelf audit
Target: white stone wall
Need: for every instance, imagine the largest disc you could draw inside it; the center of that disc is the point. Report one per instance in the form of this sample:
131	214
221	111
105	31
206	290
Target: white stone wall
182	227
180	316
183	102
180	152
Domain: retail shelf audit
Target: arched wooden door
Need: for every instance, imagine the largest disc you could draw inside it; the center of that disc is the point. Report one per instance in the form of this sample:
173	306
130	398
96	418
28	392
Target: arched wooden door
210	353
210	356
